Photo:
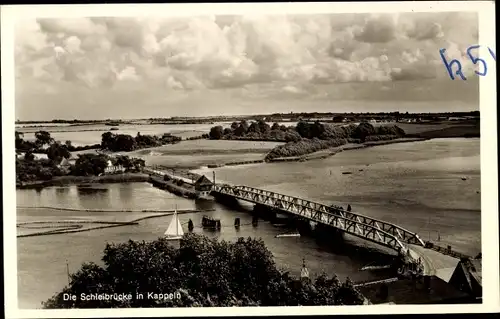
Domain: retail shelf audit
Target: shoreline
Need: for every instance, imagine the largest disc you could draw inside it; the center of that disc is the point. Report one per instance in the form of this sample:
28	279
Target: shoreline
144	177
85	180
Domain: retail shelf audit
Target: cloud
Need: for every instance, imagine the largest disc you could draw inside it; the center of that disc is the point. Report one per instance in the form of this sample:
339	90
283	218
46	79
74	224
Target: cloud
257	55
379	29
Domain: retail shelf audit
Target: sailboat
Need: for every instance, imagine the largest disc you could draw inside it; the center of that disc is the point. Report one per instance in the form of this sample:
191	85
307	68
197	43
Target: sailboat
174	230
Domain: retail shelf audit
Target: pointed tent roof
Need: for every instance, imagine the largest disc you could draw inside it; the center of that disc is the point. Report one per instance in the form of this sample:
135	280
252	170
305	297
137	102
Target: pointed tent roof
203	180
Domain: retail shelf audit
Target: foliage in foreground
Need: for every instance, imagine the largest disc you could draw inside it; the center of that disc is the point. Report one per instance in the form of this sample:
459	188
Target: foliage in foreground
204	272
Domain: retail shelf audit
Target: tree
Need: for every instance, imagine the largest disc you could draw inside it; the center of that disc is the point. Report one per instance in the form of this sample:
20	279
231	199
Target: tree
234	125
363	130
68	144
138	163
43	138
19	135
108	140
275	127
263	127
338	119
56	152
254	128
90	164
216	132
124	143
28	156
203	271
303	128
317	129
244	125
227	131
241	129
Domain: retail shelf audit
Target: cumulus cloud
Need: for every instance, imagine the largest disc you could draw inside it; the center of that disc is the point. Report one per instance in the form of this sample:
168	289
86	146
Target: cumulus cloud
379	29
287	53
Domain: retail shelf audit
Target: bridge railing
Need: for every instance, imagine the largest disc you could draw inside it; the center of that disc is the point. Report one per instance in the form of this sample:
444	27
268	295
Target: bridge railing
362	226
401	233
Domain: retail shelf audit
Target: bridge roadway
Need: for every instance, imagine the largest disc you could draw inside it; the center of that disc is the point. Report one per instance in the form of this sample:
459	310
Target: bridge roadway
374	230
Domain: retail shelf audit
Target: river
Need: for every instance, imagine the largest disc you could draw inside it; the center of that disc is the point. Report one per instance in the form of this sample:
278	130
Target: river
417	185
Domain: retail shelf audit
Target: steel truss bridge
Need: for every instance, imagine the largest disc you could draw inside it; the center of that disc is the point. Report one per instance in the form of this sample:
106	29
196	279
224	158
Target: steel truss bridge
377	231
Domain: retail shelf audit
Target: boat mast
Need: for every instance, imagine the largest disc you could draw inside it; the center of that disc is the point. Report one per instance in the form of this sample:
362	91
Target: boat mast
176	221
67	272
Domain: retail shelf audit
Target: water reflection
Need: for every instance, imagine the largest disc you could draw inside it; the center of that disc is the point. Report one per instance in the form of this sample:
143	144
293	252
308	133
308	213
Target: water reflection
125	193
61	193
201	204
88	196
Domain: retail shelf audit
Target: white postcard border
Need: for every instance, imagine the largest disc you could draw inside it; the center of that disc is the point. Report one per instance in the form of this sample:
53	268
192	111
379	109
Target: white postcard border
489	173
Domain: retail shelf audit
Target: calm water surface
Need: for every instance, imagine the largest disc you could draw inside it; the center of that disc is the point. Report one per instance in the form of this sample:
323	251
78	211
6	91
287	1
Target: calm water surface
417	185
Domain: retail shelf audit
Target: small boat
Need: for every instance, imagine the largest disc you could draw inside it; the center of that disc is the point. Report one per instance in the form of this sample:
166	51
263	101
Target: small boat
464	178
174	230
345	173
287	235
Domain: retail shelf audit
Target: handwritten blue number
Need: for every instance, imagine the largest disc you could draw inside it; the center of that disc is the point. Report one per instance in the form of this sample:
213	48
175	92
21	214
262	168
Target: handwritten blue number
476	60
449	68
492	54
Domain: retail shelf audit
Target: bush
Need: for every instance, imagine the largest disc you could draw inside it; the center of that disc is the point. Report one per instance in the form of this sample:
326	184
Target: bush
204	272
303	147
30	170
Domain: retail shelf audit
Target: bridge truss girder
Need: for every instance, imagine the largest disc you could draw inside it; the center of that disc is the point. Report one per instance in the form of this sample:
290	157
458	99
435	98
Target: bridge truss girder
383	233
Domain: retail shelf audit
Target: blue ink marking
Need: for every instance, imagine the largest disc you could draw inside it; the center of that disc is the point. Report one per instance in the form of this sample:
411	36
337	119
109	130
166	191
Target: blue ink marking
492	54
477	60
449	66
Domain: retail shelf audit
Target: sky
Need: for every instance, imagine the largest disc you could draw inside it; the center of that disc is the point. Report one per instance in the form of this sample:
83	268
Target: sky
120	67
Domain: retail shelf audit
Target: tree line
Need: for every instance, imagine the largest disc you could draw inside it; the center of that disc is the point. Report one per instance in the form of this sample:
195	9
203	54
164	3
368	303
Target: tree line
318	136
256	131
127	143
204	272
29	169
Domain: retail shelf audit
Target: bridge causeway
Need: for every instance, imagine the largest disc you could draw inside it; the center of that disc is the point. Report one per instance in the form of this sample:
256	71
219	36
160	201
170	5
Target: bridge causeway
371	229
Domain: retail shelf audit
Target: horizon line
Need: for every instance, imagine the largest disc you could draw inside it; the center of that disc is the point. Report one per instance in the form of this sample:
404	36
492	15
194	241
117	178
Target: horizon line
241	115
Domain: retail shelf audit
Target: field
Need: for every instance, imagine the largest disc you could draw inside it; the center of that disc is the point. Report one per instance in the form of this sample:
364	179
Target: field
197	153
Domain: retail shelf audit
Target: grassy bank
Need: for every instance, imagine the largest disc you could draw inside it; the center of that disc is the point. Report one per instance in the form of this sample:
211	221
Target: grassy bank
466	131
321	154
70	180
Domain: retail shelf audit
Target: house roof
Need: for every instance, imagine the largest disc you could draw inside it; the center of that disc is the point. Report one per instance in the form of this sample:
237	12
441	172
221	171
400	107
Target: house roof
203	180
474	269
405	291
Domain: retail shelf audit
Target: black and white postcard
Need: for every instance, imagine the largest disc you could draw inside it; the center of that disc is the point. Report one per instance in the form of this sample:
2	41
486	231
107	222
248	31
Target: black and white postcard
265	156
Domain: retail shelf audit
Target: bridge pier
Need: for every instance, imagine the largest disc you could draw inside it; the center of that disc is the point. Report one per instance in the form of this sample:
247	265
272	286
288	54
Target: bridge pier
227	200
304	226
272	215
328	234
